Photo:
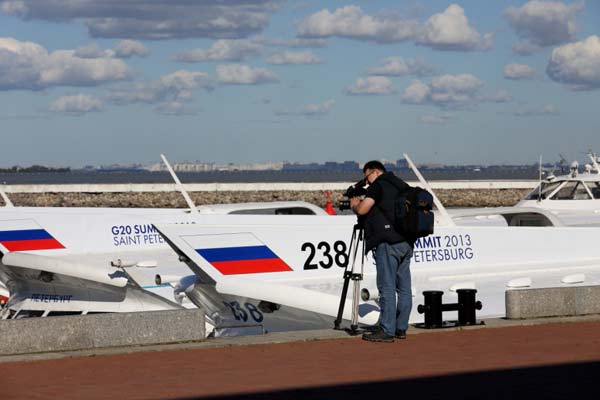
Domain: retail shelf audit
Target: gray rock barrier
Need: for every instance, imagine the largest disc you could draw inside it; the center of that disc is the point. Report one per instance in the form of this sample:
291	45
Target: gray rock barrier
449	197
552	302
54	334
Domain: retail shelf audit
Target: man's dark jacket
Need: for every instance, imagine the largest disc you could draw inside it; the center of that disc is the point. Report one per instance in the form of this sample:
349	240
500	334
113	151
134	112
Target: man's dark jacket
379	221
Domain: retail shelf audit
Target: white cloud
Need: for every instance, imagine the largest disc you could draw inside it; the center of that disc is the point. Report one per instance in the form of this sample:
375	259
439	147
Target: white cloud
222	50
76	105
371	85
462	83
450	30
526	48
442	119
183	80
294	57
397	66
93	51
416	93
292	43
310	110
500	96
128	48
548	109
577	64
123	49
239	74
27	65
149	19
16	7
544	23
318	109
518	71
176	87
352	22
451	91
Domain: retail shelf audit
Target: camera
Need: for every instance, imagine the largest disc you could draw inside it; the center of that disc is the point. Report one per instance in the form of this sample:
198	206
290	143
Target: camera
356	190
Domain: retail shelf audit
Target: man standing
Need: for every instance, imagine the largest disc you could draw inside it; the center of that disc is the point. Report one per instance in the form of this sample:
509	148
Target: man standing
392	251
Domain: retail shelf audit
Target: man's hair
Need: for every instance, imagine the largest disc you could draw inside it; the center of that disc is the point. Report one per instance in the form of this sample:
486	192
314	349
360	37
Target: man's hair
374	165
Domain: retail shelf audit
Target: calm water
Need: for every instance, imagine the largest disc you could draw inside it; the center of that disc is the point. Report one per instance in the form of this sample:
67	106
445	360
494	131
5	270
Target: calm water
247	176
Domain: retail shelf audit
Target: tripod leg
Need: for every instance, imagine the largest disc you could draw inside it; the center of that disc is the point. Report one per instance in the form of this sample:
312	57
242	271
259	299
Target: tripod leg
338	321
347	275
355	294
357	277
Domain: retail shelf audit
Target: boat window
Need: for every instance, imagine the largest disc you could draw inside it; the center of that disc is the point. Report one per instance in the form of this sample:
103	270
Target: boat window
63	313
276	211
28	314
294	211
567	191
594	188
581	192
547	188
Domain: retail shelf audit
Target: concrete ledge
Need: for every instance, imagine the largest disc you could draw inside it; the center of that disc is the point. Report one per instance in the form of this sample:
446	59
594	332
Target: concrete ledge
552	302
53	334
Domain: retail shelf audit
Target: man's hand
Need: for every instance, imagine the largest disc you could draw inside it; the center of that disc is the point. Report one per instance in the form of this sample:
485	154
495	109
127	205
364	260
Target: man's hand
361	207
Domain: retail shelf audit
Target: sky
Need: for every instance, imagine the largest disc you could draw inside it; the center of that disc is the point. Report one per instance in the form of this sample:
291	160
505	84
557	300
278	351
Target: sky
86	82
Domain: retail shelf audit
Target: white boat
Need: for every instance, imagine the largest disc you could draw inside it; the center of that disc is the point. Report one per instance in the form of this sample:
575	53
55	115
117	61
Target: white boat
569	200
574	198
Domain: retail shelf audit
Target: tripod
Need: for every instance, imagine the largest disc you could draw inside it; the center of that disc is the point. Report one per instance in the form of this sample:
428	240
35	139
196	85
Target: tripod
350	274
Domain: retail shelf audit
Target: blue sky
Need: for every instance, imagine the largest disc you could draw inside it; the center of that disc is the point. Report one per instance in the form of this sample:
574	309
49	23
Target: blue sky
87	82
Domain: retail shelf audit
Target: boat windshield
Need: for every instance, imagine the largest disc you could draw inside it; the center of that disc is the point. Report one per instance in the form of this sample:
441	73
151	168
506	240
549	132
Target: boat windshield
546	189
594	188
572	190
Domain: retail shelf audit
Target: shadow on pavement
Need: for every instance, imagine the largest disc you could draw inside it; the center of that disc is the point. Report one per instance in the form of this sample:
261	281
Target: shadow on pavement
565	381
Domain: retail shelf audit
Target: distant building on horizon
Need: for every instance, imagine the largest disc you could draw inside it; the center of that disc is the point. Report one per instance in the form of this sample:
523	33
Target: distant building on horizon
345	166
213	167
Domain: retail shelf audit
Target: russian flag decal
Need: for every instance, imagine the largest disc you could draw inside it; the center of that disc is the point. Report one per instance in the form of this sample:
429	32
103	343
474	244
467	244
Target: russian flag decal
26	235
237	253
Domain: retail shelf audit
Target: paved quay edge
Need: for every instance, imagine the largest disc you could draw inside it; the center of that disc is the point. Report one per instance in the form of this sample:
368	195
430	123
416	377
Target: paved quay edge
283	337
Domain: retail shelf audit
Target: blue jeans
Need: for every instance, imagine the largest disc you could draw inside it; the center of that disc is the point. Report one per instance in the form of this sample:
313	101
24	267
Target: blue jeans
393	278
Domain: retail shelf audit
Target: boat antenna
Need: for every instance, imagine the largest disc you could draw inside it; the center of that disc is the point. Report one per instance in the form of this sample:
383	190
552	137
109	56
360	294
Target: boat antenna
7	202
179	186
562	163
540	182
423	182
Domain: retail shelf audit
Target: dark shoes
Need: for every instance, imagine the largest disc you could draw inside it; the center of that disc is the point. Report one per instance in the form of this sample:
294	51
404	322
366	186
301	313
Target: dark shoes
378	336
400	334
372	328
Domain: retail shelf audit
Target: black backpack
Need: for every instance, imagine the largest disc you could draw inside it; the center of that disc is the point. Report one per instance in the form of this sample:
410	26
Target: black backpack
413	215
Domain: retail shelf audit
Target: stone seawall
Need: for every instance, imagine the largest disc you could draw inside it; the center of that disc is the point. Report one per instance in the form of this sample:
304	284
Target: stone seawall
449	197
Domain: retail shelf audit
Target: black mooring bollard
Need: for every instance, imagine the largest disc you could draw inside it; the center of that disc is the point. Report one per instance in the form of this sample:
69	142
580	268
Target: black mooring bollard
467	306
432	308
